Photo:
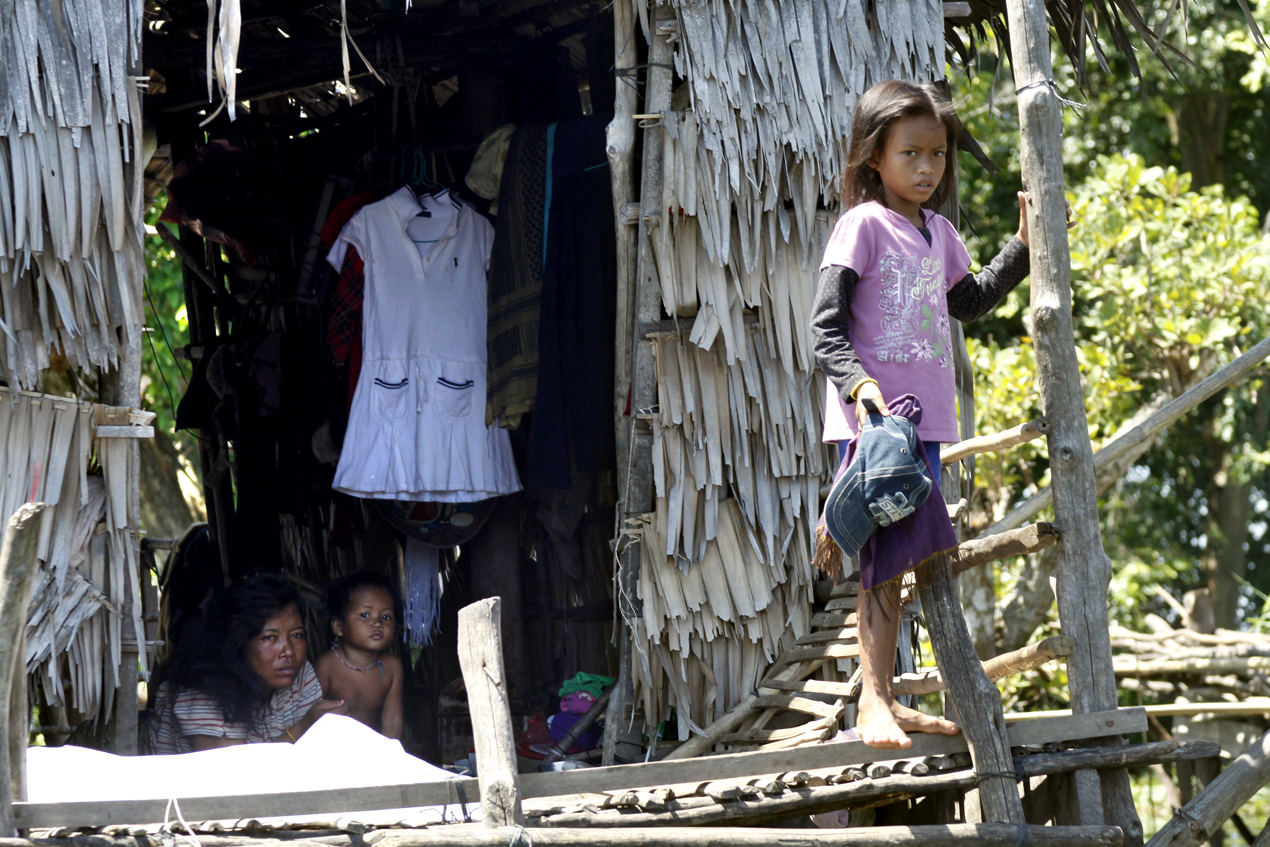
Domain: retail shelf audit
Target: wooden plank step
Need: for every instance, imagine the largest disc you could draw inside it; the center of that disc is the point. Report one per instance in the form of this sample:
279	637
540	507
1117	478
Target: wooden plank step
823	651
794	703
847	588
835	620
811	686
836	634
841	604
809	737
764	736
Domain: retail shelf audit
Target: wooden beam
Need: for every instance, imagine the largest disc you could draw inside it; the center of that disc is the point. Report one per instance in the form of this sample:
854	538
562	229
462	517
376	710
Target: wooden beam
1221	798
260	56
237	806
706	768
787	801
975	698
484	677
1084	571
17	574
1003	545
1117	449
996	668
991	443
620	777
950	835
1132	666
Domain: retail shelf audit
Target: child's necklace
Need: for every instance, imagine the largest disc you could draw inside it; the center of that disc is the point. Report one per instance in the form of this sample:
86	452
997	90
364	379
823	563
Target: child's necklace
378	663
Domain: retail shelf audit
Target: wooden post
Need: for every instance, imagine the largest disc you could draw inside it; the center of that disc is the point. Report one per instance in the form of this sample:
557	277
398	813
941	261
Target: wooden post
17	573
481	659
1084	571
620	144
1220	799
620	140
637	493
976	699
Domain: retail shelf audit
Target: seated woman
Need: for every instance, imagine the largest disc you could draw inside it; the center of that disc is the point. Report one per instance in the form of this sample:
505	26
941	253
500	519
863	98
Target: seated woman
240	676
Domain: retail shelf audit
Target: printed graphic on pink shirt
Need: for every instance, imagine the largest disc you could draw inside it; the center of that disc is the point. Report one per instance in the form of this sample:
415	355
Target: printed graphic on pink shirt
914	328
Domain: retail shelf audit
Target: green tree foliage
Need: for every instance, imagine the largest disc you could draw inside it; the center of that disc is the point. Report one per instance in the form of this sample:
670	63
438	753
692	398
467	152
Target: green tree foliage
1166	272
1169	278
1165	279
164	377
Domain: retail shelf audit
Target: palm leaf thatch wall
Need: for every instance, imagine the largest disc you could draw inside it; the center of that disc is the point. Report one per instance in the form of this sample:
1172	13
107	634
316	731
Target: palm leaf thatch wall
70	181
71	266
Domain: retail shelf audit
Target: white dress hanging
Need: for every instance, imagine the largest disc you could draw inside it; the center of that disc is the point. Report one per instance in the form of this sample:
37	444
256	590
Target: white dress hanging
416	429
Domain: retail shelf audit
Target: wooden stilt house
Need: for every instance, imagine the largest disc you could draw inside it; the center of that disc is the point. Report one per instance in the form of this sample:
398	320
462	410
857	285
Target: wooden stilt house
725	144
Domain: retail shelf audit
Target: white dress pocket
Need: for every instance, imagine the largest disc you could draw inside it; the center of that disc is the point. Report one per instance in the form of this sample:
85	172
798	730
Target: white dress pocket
390	397
453	389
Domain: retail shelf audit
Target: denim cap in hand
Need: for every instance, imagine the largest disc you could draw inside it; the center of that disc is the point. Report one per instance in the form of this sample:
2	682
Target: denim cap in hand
886	480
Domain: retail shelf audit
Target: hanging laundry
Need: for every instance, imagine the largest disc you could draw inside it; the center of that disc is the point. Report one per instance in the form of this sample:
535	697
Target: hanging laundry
572	430
486	172
416	428
344	326
423	591
515	279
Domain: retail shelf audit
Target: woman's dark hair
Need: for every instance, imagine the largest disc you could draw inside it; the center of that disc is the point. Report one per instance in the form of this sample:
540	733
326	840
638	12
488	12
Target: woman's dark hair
212	654
339	594
879	108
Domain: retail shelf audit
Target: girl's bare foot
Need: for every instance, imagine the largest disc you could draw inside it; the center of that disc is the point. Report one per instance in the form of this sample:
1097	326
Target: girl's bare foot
884	725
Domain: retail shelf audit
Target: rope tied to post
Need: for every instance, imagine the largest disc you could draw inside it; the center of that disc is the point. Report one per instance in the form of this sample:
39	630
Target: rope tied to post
1052	86
517	836
1025	836
167	827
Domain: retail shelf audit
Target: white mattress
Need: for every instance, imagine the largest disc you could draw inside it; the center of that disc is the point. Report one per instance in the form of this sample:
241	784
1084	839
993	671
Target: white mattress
336	752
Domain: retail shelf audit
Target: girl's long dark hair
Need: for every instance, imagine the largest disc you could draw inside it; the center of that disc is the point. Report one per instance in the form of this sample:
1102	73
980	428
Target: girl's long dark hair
879	108
212	654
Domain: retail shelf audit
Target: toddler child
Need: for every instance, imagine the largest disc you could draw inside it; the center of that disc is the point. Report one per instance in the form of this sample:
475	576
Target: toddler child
360	669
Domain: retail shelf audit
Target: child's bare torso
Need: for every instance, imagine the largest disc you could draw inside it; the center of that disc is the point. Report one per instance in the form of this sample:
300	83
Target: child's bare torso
363	691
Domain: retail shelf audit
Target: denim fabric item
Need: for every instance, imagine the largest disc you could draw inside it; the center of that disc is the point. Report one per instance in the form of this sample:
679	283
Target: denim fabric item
886	480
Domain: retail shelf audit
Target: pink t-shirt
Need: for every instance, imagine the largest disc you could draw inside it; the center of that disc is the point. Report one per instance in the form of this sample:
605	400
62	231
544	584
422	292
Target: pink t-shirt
899	312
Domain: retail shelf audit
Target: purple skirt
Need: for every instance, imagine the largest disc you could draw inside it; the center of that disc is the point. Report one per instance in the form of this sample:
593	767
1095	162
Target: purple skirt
896	549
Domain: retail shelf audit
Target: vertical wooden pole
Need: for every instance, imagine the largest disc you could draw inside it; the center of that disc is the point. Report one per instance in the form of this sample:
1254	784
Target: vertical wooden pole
481	660
620	143
975	697
17	574
1084	571
637	492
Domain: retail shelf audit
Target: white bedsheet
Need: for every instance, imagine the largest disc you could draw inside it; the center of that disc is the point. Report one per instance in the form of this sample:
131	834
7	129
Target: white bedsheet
336	752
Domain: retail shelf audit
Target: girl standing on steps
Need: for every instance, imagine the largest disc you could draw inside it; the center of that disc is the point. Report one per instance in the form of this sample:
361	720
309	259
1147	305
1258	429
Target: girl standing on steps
892	274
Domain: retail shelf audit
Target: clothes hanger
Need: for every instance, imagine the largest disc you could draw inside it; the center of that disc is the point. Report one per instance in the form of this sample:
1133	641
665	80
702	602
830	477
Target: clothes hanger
420	180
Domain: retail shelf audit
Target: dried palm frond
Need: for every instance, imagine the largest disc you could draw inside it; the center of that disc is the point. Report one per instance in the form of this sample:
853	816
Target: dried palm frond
70	151
86	574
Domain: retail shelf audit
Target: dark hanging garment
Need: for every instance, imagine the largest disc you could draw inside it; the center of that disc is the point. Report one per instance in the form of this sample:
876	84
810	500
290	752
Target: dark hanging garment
515	280
573	415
